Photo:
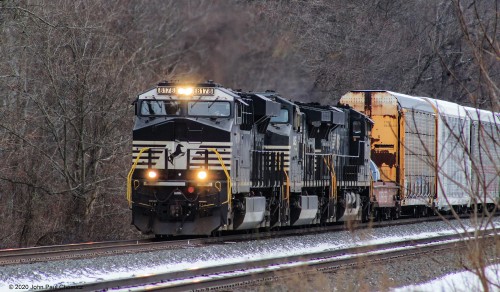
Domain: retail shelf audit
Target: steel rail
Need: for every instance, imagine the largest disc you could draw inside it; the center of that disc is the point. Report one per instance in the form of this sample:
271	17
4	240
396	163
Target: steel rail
84	250
94	249
230	275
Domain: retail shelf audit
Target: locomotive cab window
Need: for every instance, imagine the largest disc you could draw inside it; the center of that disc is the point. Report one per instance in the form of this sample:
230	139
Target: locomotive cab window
281	118
209	109
160	108
356	128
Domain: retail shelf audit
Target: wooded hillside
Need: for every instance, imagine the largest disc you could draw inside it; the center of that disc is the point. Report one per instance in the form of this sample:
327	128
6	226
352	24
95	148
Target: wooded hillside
70	69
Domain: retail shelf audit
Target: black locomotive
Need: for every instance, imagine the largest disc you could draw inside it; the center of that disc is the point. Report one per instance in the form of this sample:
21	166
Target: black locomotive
207	158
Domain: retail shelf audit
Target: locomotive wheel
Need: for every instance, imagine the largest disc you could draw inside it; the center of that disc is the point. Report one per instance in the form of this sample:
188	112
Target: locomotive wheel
160	236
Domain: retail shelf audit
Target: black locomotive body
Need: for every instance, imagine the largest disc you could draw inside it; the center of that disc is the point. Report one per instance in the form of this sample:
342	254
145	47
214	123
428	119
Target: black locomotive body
207	158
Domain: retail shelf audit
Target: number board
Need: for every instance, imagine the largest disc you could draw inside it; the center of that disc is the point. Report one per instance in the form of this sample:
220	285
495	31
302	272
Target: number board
196	90
203	91
166	90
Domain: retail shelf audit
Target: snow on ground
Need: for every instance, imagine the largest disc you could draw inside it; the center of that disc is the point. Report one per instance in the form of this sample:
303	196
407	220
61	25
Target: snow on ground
458	282
74	272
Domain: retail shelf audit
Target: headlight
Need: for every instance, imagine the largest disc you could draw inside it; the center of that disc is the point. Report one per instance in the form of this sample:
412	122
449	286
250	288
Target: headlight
202	174
185	90
152	174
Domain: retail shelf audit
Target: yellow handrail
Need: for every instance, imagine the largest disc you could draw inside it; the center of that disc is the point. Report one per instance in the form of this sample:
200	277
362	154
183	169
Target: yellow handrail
229	186
333	188
129	177
287	186
371	187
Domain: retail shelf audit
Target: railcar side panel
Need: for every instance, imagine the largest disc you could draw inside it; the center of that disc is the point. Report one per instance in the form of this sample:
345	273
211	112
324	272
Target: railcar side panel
454	173
485	156
420	157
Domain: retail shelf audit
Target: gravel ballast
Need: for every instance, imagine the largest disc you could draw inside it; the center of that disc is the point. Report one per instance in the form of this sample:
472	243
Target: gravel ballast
121	266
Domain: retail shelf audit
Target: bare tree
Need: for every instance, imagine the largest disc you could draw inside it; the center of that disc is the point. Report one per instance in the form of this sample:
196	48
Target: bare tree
71	72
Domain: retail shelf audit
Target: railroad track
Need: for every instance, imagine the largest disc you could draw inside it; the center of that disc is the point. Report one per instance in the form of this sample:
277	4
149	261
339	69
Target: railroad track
95	249
230	275
82	250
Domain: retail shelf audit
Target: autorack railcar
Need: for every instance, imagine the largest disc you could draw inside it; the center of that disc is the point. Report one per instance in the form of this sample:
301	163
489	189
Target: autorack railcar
425	149
485	157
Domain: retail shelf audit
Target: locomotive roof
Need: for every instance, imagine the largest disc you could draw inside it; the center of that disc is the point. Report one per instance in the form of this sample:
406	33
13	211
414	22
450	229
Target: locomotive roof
153	93
277	97
208	83
322	113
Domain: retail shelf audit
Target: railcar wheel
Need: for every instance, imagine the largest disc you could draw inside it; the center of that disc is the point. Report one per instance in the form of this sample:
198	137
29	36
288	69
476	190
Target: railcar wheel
394	213
424	211
378	214
416	214
366	211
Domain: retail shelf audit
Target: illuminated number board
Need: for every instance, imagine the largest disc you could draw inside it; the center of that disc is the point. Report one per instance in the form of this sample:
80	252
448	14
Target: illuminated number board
166	90
196	90
203	91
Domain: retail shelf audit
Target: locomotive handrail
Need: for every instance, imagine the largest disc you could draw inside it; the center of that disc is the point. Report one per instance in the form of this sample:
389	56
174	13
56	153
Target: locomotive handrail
219	157
129	176
371	186
287	186
332	177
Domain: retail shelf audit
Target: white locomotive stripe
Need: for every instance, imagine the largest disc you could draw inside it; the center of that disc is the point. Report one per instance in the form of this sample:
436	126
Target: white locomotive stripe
274	150
145	155
154	149
228	167
205	143
219	168
165	183
149	143
210	164
145	162
198	153
276	146
193	157
197	158
215	146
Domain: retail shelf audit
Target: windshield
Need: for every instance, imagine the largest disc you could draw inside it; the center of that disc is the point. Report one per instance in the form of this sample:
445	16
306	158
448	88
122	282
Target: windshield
356	127
209	108
160	108
281	118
